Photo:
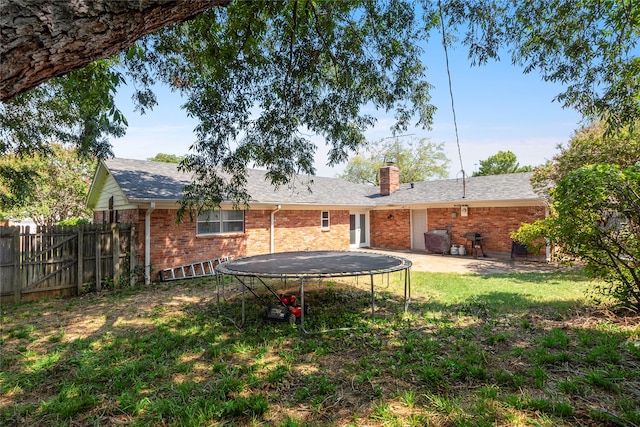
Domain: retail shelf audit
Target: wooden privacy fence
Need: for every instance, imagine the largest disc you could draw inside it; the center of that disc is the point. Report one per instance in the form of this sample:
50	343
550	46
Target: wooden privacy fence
55	261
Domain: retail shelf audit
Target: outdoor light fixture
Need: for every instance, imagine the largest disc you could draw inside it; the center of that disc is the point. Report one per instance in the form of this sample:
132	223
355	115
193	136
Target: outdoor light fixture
390	216
464	210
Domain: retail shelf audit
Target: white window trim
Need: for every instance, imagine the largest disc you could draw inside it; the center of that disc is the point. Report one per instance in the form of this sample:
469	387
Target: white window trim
221	233
323	219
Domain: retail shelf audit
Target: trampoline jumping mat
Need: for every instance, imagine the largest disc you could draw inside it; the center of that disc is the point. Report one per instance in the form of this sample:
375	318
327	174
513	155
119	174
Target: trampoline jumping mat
314	264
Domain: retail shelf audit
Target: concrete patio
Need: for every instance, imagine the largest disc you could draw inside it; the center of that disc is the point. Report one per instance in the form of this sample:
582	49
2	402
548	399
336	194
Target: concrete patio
437	263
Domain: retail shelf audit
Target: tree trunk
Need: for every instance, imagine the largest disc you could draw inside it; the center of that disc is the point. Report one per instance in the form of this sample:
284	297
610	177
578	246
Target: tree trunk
42	39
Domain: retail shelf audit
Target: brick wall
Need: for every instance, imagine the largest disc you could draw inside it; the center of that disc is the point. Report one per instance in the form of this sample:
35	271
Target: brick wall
495	224
257	233
99	217
131	216
128	216
300	231
390	229
175	244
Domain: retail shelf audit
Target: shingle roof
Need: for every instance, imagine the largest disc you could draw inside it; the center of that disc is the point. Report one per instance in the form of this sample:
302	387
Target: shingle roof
142	180
515	186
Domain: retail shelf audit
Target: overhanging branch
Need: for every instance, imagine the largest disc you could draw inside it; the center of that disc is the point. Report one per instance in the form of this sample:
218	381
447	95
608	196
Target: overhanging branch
40	40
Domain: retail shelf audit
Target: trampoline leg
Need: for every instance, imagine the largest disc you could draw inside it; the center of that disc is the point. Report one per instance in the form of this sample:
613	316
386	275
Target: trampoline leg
302	305
407	289
243	297
218	292
373	319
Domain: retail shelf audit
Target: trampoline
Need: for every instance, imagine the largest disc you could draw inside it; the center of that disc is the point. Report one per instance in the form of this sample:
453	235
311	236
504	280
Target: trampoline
314	265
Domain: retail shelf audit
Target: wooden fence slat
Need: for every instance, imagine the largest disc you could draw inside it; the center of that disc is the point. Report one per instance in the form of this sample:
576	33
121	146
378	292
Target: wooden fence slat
98	273
62	258
28	241
115	250
133	255
80	260
9	260
49	275
16	266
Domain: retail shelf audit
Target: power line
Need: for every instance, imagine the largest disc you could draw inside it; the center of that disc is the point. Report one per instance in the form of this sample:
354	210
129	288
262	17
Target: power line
453	109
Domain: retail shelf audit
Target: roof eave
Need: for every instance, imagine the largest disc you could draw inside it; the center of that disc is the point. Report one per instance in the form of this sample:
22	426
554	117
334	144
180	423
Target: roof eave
93	194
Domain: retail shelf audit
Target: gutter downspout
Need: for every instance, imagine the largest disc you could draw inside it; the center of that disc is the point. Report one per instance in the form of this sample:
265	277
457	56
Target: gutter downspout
147	244
272	247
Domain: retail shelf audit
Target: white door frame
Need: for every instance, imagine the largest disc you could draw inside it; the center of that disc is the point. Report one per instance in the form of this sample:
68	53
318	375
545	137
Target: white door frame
418	228
356	239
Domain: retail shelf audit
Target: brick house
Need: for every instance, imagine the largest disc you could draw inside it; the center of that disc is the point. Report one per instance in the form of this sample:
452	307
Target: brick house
335	215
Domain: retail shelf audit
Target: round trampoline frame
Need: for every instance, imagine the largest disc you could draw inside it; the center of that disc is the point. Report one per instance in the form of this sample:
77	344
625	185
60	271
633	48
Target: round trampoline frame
305	265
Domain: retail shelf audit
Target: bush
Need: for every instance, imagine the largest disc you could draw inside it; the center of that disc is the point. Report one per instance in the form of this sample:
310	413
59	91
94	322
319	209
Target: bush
74	222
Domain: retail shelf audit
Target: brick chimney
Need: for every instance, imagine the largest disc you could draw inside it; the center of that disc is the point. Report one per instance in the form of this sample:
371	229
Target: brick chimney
389	179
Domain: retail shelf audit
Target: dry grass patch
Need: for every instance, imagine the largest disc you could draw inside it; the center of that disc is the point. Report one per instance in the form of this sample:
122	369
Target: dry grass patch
480	354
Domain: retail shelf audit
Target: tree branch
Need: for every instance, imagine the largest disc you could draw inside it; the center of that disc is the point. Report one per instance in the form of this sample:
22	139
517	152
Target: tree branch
40	40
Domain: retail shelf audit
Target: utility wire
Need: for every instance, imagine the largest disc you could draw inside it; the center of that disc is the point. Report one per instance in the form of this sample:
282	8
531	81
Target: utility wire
453	109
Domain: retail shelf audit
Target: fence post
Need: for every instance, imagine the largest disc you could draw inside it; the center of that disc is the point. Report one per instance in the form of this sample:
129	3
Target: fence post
80	254
17	279
115	251
26	249
98	232
133	256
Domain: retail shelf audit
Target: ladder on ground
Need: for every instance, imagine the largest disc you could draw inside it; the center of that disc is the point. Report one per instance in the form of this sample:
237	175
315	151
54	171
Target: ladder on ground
193	270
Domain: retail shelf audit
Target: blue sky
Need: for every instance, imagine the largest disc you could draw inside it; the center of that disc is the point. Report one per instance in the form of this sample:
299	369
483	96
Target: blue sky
497	108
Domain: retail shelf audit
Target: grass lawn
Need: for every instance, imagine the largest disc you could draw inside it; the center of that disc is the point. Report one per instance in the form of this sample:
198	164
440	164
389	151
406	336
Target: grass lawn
507	350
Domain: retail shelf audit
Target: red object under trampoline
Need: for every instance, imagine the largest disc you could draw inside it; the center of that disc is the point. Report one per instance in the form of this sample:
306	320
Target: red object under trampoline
317	264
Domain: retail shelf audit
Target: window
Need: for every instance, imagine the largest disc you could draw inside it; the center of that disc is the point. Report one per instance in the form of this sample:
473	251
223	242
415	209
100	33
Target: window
216	222
324	220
